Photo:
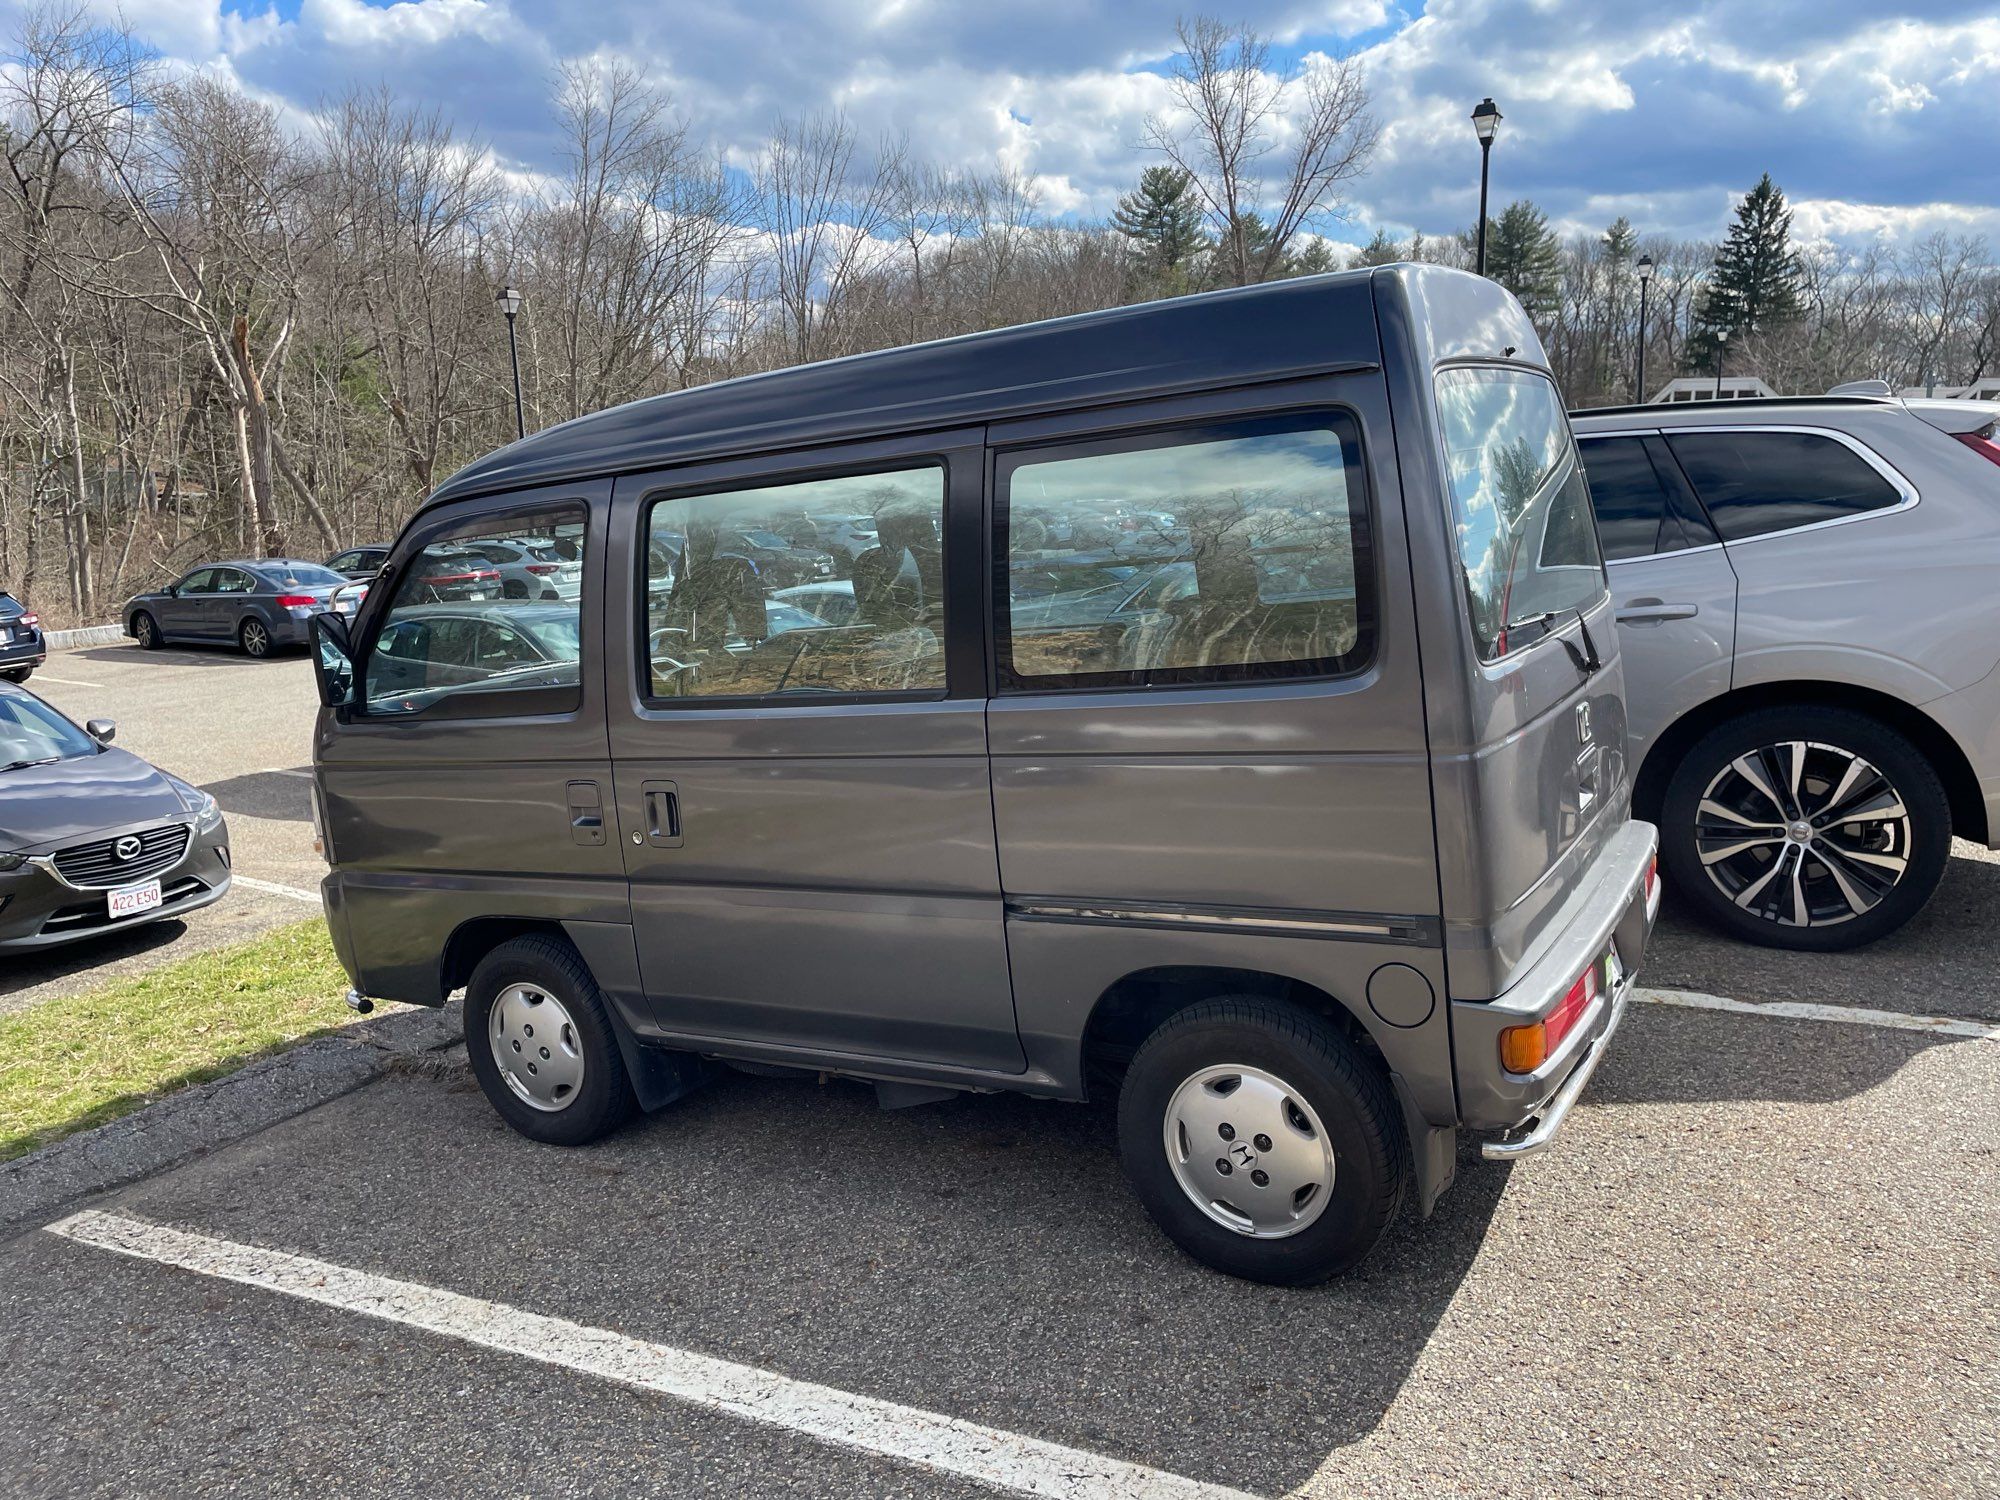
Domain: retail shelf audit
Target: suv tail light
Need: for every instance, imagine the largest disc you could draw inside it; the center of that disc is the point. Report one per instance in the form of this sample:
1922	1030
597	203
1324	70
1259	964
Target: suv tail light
544	567
29	621
295	601
1982	442
1525	1048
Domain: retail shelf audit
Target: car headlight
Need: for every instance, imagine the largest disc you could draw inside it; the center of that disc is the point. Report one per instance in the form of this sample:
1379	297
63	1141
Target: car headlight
207	811
12	862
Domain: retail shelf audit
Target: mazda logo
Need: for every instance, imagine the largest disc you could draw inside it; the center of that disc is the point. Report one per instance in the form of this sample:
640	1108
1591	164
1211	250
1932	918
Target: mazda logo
127	847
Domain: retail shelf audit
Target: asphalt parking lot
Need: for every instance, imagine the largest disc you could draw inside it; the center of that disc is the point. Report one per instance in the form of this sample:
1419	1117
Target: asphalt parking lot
1761	1260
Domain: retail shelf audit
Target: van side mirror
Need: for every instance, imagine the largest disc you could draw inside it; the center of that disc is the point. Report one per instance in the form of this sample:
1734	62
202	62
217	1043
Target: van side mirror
333	660
104	731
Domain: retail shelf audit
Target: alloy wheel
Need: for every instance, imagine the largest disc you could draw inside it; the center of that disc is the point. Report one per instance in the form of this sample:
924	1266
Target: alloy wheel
535	1047
1803	834
1249	1151
256	639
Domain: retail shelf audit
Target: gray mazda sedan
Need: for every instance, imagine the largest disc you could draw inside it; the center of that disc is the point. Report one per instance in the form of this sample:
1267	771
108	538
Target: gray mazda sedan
93	838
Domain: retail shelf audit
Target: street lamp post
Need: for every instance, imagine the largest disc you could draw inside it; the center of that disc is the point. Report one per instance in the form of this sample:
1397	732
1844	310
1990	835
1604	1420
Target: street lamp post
1721	348
510	303
1485	122
1645	270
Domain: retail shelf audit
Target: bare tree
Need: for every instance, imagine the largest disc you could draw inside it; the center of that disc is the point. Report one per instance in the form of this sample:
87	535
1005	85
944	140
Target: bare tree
821	214
1268	151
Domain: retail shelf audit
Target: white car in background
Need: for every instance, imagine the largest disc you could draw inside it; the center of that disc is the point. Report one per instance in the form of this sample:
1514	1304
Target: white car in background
530	568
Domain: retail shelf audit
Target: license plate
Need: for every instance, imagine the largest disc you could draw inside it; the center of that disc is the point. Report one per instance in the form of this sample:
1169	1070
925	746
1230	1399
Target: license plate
6	635
130	900
343	606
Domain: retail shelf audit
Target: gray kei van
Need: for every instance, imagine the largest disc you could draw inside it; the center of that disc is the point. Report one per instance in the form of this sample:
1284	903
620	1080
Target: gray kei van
1227	716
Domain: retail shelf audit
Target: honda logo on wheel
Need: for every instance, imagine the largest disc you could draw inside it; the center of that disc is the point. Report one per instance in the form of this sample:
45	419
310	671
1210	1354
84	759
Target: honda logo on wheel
127	847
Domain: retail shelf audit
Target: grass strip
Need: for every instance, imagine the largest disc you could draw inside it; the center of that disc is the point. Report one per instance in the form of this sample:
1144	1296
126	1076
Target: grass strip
68	1064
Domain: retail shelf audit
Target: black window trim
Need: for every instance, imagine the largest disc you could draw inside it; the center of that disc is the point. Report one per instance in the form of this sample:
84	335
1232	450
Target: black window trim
788	471
1318	415
1907	496
502	704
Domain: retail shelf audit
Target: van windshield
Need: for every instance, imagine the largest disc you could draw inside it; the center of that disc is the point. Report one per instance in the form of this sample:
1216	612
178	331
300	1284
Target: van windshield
1527	542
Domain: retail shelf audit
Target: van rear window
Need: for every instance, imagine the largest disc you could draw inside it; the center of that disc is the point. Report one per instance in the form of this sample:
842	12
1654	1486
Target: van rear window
1527	544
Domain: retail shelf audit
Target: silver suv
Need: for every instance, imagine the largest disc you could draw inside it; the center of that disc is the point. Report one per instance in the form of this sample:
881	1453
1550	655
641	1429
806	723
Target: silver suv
1807	612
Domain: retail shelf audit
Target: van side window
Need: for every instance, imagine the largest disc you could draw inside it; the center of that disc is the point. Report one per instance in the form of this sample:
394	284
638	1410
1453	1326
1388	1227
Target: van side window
742	602
1527	542
1754	483
1228	552
468	636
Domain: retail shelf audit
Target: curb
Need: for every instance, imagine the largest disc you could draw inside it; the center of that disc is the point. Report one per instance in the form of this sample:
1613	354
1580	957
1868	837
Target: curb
88	635
192	1121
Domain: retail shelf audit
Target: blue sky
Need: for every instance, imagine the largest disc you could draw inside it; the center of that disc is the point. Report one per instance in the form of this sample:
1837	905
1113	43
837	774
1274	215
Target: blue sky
1877	117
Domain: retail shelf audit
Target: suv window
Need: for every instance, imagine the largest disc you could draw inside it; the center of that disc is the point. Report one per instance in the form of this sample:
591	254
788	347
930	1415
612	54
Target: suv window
715	626
452	642
1755	483
1527	542
1255	533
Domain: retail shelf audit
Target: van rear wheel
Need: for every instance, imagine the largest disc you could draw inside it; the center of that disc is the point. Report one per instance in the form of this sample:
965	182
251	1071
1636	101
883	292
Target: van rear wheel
1261	1141
1806	827
539	1038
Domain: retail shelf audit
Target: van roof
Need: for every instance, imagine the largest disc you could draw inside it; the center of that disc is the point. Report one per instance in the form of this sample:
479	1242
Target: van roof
1308	325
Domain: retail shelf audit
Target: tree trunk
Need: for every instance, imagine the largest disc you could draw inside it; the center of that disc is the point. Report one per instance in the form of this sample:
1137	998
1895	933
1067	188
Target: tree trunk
256	443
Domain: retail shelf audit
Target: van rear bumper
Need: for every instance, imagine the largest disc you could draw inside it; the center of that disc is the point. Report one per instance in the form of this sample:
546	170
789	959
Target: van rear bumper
1611	914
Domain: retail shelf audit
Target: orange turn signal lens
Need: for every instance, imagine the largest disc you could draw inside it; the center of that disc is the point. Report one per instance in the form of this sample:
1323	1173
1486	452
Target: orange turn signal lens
1524	1048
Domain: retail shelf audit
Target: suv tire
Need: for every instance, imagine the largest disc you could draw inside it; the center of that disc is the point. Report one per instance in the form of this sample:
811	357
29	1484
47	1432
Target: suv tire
542	981
1339	1140
1855	880
146	631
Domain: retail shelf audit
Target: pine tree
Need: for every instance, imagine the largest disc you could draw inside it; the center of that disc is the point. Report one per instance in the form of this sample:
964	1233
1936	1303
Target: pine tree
1525	256
1312	257
1754	287
1620	242
1163	219
1379	251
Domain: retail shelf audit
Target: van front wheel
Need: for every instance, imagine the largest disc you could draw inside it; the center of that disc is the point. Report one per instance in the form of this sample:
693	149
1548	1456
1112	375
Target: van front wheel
1261	1141
540	1042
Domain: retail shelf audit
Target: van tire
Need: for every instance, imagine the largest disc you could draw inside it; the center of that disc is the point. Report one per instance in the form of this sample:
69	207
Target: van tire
1350	1095
604	1100
1845	733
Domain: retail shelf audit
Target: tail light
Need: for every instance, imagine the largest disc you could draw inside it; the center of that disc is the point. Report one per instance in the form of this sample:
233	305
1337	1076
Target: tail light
470	575
295	601
29	622
544	568
1983	442
1525	1048
1652	886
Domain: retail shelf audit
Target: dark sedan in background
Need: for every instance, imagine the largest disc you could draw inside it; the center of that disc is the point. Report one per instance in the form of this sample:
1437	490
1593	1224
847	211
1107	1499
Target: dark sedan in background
23	647
93	838
254	605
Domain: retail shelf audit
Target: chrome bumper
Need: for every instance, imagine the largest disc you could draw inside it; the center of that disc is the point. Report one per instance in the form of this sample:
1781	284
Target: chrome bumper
1540	1132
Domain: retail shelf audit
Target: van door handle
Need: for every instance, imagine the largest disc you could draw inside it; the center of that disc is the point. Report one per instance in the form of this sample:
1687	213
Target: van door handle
663	813
1653	611
586	813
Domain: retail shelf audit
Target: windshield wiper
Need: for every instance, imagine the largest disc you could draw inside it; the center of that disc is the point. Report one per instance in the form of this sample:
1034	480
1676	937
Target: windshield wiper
1585	656
22	765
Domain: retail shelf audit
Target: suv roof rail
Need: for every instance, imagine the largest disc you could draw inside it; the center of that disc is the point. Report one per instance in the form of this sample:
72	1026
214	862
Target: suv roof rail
1735	404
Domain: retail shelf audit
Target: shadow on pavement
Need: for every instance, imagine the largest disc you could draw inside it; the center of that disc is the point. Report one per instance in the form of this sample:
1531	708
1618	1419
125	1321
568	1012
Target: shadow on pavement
30	968
1945	962
184	654
980	1257
265	794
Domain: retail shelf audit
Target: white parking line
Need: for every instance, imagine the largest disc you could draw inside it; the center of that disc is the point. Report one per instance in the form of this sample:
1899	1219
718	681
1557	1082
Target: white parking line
67	681
1845	1015
275	889
945	1445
